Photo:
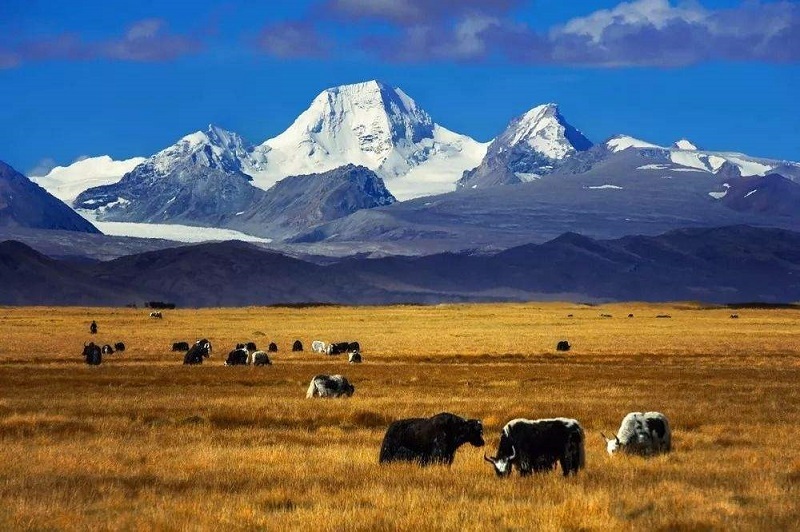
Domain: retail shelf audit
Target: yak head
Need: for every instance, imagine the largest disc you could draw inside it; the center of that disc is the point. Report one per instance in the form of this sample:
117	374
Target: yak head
473	432
349	390
612	444
502	465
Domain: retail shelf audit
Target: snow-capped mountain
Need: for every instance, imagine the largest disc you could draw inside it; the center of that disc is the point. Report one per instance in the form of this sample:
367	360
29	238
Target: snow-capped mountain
685	156
531	146
66	182
373	125
197	181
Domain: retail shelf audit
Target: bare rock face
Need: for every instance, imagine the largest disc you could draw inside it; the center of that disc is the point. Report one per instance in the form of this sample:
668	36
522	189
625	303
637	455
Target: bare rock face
27	205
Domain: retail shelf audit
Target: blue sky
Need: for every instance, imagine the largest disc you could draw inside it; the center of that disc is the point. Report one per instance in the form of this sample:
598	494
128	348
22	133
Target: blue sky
85	78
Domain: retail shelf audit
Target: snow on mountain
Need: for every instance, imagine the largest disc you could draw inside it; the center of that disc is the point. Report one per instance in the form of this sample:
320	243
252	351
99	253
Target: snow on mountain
212	148
196	181
176	232
686	156
684	144
544	129
531	146
373	125
66	182
623	142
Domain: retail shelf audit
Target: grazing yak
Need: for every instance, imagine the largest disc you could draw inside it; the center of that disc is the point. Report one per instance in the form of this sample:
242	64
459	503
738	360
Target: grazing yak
119	346
354	357
427	441
260	358
563	345
664	316
107	350
538	445
93	327
180	346
92	354
641	433
273	347
251	346
200	350
338	348
237	357
329	386
318	346
297	346
156	315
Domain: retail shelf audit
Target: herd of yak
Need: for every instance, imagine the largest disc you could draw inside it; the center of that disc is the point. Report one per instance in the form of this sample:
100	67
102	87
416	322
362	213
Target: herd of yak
530	446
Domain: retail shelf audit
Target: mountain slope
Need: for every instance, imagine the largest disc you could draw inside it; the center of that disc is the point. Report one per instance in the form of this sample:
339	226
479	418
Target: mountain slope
26	204
603	199
29	278
234	274
729	264
295	204
67	182
531	146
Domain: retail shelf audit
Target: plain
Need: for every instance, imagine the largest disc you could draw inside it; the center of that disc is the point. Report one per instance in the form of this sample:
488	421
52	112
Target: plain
142	442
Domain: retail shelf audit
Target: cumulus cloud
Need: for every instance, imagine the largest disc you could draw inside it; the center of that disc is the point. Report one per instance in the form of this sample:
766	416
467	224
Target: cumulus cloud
143	41
292	40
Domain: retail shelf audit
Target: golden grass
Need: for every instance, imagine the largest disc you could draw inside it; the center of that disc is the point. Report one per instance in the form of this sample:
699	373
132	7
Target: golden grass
144	443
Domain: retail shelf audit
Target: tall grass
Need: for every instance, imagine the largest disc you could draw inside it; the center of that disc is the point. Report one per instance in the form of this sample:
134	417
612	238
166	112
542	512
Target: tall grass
143	442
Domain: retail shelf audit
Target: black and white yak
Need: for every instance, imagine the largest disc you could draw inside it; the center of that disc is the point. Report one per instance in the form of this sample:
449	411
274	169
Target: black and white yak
92	354
427	441
260	358
200	350
641	433
354	357
107	349
535	446
329	386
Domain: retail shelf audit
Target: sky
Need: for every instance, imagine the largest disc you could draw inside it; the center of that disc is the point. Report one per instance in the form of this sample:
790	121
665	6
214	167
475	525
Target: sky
129	78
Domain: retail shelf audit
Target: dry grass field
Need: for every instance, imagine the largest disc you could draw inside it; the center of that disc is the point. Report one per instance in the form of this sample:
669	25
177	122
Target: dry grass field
145	443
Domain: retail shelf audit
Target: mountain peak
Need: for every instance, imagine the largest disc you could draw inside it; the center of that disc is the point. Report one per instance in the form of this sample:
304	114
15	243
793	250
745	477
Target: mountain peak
684	144
619	143
544	129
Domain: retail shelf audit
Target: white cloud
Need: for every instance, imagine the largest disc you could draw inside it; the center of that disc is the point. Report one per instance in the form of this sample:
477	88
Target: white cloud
655	13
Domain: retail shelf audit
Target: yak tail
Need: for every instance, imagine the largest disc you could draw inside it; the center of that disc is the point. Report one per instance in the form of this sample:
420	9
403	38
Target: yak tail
312	388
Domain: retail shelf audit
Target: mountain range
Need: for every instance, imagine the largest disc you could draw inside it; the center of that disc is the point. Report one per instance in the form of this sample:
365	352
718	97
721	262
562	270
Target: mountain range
421	188
729	264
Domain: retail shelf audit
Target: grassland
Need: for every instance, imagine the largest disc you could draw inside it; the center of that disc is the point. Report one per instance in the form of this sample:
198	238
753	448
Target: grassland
144	443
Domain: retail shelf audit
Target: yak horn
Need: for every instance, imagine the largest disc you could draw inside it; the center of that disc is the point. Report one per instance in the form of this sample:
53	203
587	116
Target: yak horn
604	436
490	460
513	453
